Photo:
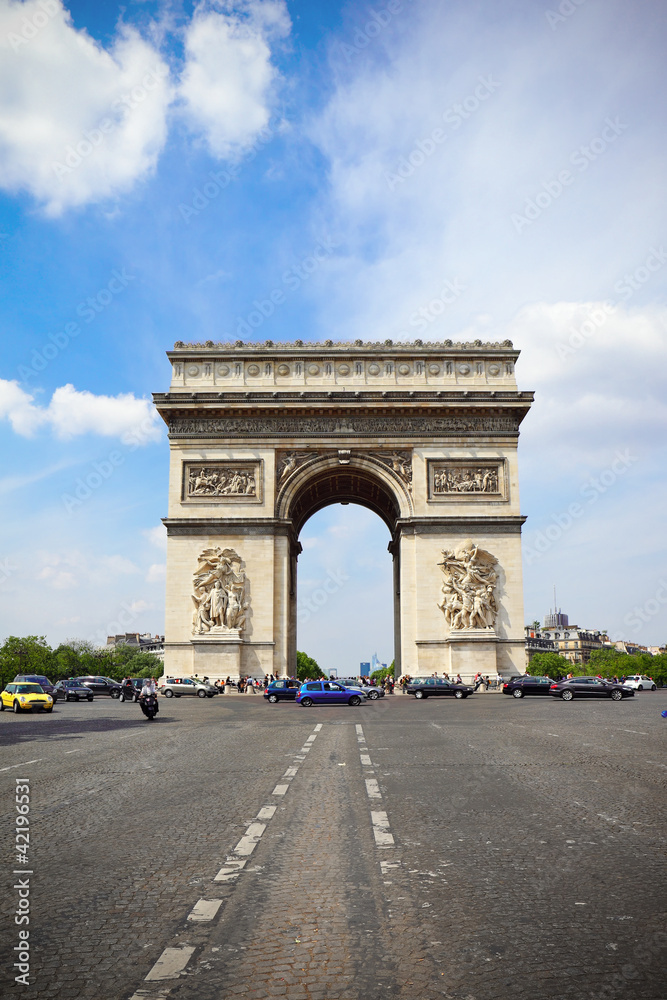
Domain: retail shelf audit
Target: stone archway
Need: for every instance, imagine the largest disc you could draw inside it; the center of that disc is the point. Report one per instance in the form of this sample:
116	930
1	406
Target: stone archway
311	483
263	436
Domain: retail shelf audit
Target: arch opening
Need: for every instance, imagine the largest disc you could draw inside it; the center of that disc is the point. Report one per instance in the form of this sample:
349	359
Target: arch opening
344	591
344	484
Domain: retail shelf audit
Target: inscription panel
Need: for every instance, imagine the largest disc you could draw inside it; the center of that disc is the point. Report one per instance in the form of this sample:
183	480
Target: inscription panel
454	479
222	482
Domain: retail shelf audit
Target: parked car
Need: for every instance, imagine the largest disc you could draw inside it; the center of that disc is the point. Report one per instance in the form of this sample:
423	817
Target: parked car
285	689
100	685
370	690
44	682
72	691
174	687
518	687
427	687
328	693
589	687
640	682
25	698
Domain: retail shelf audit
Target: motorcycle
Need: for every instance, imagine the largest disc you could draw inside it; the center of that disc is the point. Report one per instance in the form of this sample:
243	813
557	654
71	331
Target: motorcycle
149	706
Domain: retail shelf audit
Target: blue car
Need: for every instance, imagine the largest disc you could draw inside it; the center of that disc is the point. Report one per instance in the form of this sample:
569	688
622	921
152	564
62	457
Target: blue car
328	693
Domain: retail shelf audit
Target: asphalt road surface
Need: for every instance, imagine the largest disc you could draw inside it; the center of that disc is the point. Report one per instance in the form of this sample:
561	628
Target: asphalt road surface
487	849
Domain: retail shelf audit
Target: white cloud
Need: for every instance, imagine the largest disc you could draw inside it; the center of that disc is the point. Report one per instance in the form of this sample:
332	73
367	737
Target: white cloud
78	122
597	390
72	413
156	573
157	536
227	87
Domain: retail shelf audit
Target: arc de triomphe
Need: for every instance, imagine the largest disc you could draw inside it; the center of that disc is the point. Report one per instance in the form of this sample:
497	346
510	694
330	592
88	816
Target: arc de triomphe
264	435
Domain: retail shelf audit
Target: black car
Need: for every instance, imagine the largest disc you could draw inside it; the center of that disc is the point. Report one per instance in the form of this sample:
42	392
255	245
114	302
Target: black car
71	691
518	687
130	689
589	687
100	685
283	690
427	687
44	682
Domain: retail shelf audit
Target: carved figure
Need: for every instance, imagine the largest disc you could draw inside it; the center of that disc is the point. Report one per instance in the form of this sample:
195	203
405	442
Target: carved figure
400	462
220	481
289	462
470	578
466	479
219	592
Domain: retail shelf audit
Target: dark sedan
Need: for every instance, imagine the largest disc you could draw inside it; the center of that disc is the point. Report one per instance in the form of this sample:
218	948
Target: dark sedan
100	685
71	691
518	687
283	690
427	687
44	682
589	687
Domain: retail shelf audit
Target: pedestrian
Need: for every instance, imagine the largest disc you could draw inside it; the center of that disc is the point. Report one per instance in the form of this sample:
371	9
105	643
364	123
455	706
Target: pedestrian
458	679
250	686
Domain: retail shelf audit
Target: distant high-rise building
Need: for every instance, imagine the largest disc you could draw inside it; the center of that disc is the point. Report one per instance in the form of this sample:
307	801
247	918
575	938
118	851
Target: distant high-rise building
555	618
364	669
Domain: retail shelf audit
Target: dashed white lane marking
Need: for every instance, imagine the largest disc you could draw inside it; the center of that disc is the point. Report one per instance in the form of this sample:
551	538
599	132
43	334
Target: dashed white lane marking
372	789
379	820
205	909
143	994
230	870
74	751
637	732
312	737
383	837
170	964
172	961
24	764
248	843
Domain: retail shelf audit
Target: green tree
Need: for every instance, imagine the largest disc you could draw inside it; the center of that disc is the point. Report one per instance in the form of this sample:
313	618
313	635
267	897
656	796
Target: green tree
307	668
30	654
379	675
550	665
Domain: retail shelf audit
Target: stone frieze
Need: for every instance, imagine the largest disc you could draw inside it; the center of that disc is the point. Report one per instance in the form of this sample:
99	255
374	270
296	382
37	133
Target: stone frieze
352	426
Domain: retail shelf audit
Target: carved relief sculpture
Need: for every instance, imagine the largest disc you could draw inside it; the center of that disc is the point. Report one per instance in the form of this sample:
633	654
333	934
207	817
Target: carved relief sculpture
222	481
470	578
287	462
219	593
400	462
466	479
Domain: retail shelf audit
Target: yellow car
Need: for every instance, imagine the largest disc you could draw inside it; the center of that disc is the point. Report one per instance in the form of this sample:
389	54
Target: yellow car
25	697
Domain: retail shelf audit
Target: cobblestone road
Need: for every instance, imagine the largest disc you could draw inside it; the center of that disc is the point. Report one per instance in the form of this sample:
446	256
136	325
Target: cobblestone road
478	850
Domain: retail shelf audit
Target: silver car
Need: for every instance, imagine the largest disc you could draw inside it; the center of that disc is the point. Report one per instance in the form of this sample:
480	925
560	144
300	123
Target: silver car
174	687
371	692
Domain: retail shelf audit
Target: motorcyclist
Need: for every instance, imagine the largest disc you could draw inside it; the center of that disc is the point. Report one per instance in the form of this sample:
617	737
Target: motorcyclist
148	690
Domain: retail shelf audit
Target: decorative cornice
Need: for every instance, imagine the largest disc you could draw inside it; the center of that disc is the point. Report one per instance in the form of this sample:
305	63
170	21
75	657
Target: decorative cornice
326	346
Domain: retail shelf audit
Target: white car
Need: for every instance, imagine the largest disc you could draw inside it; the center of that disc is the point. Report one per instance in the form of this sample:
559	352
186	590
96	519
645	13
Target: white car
640	682
174	687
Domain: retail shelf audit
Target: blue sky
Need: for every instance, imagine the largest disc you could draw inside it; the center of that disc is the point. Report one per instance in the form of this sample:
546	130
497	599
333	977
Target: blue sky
163	165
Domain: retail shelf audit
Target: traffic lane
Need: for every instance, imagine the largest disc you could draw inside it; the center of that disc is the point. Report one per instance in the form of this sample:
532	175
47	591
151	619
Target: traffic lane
495	858
134	832
309	917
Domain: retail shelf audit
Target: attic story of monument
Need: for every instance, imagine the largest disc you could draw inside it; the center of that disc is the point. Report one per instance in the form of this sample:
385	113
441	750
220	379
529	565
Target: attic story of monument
264	435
